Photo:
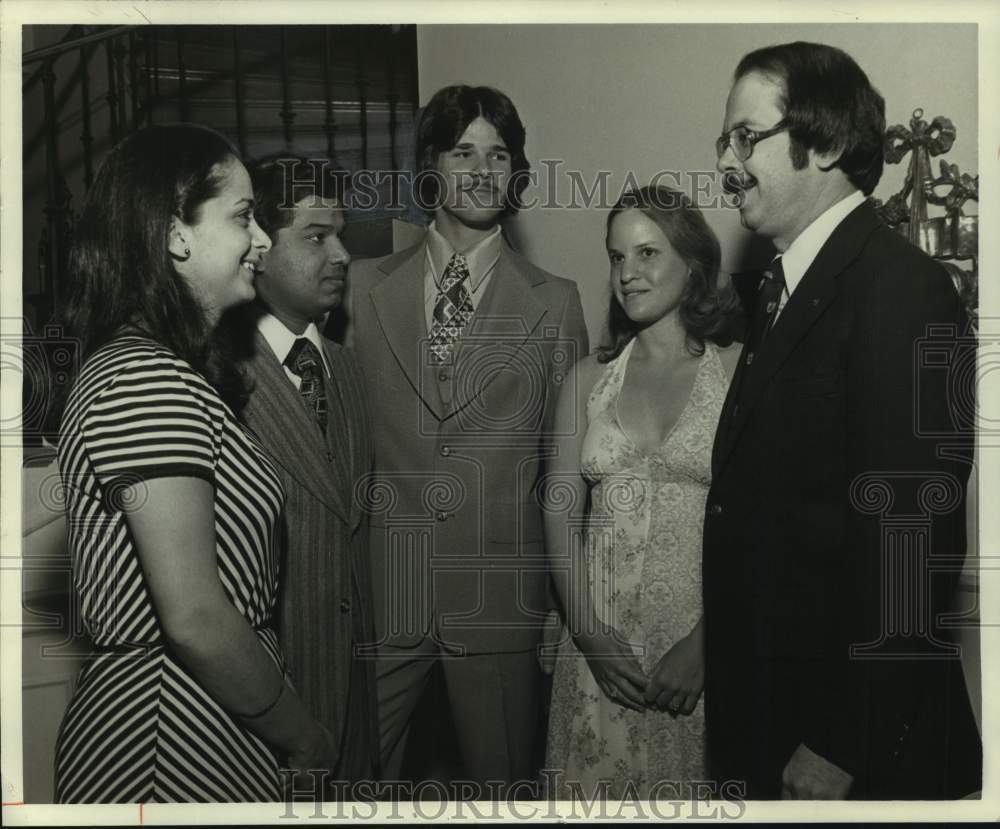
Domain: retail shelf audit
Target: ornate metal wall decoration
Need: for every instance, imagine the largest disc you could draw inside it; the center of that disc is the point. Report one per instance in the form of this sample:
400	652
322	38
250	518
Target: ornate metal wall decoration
953	237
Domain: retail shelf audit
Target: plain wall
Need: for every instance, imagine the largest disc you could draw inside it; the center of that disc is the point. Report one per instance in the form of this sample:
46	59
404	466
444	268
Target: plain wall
652	97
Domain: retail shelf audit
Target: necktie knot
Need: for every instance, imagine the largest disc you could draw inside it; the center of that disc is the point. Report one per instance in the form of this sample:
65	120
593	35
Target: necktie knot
774	276
457	268
773	288
452	288
303	357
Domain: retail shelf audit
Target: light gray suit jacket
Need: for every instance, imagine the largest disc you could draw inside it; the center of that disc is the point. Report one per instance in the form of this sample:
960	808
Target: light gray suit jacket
456	538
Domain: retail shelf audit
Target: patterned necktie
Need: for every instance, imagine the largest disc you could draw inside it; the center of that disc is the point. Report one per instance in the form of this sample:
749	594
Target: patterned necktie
766	310
305	362
452	311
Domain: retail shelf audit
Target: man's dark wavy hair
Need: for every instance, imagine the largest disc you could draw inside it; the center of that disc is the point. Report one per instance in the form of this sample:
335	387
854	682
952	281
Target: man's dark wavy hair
830	105
121	275
708	310
281	180
444	119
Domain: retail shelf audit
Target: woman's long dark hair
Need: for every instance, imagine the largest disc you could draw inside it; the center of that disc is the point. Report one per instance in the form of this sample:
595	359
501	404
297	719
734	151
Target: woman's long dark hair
708	310
121	275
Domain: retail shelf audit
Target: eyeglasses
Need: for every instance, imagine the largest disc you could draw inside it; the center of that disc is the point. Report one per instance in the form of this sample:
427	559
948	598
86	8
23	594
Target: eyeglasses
743	139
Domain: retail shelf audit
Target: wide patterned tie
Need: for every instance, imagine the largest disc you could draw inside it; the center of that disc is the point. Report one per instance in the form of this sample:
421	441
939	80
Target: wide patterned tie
452	310
305	362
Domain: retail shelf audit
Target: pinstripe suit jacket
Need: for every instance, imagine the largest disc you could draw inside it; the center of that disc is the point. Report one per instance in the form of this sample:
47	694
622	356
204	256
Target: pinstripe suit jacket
325	601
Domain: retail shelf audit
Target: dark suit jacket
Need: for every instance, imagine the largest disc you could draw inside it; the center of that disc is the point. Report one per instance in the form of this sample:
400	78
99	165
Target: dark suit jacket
325	601
456	524
828	481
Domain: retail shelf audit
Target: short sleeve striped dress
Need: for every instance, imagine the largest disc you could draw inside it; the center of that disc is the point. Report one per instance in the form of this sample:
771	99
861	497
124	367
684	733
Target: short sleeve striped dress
139	727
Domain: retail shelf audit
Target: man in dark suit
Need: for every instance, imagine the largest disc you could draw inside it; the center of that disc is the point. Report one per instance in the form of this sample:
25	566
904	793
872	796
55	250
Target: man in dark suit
834	527
308	408
464	344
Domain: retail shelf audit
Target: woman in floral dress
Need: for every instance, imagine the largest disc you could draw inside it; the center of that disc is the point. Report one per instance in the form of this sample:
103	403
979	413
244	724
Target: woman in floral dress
626	499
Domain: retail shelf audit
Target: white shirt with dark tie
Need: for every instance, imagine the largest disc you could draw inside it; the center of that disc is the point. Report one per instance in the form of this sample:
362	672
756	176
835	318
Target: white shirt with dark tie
281	340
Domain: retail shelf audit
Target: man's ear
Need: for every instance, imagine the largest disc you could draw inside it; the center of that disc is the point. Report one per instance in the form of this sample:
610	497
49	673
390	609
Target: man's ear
178	243
828	160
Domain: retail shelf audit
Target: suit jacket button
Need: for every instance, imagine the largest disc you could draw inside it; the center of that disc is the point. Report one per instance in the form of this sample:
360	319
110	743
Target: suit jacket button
445	451
345	605
715	509
442	516
329	456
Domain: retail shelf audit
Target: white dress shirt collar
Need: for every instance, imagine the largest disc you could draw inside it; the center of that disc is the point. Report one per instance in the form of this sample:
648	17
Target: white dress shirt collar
281	339
800	254
481	257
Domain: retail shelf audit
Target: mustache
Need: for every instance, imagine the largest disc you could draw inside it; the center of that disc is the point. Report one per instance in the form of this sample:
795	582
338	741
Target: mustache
473	179
736	184
482	191
481	184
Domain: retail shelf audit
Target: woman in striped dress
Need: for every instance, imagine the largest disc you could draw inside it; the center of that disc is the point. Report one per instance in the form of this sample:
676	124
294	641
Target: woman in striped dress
171	506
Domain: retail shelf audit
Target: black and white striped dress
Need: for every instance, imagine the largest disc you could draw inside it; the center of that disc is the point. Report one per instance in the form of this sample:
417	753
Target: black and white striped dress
139	727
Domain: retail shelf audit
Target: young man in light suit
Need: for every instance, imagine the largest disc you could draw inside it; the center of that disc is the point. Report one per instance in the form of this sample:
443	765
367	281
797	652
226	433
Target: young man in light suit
463	343
835	523
308	408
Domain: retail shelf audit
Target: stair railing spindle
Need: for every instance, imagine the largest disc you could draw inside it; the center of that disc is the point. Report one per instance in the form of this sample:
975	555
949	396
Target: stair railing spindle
112	96
182	99
330	123
86	136
287	114
241	126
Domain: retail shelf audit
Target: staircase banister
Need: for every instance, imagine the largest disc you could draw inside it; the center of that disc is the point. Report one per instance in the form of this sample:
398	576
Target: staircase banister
36	76
69	45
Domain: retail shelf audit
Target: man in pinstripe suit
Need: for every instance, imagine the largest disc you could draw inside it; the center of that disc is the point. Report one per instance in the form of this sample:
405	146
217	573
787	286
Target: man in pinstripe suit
308	408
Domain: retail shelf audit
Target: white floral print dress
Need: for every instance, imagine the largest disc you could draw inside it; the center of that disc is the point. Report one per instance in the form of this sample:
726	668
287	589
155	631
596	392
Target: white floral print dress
644	532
